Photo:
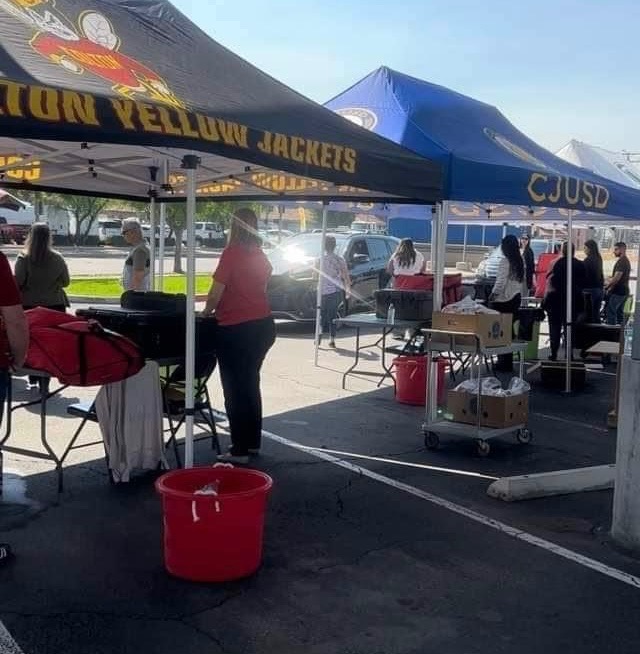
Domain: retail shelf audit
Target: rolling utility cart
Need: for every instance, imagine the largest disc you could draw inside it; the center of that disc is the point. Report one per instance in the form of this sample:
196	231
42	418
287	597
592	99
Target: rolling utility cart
441	342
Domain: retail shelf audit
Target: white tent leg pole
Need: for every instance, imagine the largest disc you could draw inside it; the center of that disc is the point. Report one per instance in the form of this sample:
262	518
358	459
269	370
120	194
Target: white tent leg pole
553	238
431	408
444	228
190	164
505	226
568	329
464	243
152	243
441	246
435	226
163	227
484	233
325	212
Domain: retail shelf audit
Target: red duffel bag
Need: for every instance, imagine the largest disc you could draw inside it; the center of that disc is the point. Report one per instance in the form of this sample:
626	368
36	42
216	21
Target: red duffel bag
77	351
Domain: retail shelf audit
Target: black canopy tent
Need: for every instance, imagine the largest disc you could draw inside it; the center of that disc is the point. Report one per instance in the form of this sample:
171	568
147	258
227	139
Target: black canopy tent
129	99
95	94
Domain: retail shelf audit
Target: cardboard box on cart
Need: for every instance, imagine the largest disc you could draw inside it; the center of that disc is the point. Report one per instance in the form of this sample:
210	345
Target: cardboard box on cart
494	329
496	411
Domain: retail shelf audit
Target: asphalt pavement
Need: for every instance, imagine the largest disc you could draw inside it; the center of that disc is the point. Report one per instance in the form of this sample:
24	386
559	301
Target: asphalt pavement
372	545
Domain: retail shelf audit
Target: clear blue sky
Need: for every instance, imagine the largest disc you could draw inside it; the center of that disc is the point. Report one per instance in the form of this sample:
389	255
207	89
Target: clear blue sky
558	69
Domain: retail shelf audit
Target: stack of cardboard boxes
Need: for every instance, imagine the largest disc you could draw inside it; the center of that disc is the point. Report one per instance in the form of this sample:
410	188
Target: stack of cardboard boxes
493	330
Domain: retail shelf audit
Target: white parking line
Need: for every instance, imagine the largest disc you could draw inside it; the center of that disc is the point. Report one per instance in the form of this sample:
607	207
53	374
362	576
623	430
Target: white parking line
502	527
7	644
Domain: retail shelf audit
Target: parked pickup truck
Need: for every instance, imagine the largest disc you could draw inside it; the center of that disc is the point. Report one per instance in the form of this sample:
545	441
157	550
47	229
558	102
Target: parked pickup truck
10	233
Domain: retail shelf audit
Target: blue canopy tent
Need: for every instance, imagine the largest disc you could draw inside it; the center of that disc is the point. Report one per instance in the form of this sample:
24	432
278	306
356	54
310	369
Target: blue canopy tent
485	158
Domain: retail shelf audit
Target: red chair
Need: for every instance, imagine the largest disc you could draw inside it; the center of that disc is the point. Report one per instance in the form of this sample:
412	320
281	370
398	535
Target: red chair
452	285
545	262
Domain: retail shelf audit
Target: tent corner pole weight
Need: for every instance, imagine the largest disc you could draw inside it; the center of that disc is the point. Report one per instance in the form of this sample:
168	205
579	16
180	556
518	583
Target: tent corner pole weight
325	213
569	326
190	164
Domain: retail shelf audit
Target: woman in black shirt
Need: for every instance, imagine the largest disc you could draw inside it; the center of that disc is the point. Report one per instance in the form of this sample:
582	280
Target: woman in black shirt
594	281
529	262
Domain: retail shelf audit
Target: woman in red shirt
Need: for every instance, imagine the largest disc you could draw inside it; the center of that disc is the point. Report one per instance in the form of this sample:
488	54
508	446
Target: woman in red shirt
246	331
14	339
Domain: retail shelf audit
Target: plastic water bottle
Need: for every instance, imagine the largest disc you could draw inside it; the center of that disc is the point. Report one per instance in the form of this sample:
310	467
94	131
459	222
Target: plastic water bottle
391	315
628	337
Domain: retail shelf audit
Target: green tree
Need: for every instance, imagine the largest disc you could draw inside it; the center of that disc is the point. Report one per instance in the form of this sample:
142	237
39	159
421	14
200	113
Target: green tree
85	211
221	212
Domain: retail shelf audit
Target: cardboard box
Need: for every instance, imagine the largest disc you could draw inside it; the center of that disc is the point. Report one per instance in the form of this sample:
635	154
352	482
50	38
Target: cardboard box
496	411
494	329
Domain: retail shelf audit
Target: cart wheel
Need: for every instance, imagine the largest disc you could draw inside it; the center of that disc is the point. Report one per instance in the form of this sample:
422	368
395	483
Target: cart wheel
483	448
431	440
524	436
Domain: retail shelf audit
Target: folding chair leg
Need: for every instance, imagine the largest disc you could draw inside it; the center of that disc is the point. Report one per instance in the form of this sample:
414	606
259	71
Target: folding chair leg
173	430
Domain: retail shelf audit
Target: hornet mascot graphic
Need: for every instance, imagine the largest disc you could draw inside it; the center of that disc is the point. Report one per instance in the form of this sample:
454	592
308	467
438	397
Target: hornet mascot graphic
91	47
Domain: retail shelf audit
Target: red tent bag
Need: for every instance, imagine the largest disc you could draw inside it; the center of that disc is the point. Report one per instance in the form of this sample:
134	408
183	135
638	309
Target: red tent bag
79	352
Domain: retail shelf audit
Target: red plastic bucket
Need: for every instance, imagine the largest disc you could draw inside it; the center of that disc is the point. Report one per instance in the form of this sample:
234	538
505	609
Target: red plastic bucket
213	537
411	379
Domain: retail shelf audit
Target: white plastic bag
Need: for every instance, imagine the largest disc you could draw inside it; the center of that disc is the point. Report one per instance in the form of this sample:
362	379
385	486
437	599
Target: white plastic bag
467	306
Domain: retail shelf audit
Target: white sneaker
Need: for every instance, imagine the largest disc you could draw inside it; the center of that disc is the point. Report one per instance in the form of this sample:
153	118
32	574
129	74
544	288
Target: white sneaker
233	458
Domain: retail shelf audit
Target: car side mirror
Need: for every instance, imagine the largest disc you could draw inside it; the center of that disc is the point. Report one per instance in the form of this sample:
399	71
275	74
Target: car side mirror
359	258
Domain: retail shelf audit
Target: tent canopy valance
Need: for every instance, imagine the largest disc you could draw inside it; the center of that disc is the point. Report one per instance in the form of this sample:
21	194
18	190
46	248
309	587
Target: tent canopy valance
486	159
95	97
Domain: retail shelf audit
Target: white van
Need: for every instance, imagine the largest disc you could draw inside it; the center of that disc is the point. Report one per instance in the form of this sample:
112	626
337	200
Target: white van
205	232
109	230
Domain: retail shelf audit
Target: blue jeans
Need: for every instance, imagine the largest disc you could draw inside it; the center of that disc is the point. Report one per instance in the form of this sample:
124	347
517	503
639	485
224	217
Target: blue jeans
329	312
615	309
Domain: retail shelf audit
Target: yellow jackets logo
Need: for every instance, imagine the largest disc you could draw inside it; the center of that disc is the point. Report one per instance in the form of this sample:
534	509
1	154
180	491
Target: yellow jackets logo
567	191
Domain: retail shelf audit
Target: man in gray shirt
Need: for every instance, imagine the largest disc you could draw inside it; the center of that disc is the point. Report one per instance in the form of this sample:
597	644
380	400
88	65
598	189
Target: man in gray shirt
135	274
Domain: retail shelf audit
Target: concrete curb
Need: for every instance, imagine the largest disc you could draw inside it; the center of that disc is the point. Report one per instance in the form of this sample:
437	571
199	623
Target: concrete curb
558	482
83	299
93	300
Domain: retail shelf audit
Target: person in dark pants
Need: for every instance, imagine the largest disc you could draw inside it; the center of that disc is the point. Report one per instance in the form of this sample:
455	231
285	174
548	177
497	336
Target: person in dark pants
507	291
593	281
41	275
246	332
617	286
334	285
555	299
529	263
14	341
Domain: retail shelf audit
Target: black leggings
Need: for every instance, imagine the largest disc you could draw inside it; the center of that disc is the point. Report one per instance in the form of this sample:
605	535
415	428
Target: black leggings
241	351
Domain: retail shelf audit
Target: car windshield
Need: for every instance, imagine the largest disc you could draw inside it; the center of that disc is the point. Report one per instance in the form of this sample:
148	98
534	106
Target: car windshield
110	224
303	249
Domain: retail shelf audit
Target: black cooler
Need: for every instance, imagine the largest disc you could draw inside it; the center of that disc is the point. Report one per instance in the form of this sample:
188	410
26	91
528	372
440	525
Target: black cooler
160	332
408	305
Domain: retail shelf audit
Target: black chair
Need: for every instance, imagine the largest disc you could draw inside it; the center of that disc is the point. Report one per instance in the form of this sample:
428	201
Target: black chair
173	388
173	400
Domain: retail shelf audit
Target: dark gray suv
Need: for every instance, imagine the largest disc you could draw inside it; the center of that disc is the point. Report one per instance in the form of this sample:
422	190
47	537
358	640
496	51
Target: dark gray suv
292	288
